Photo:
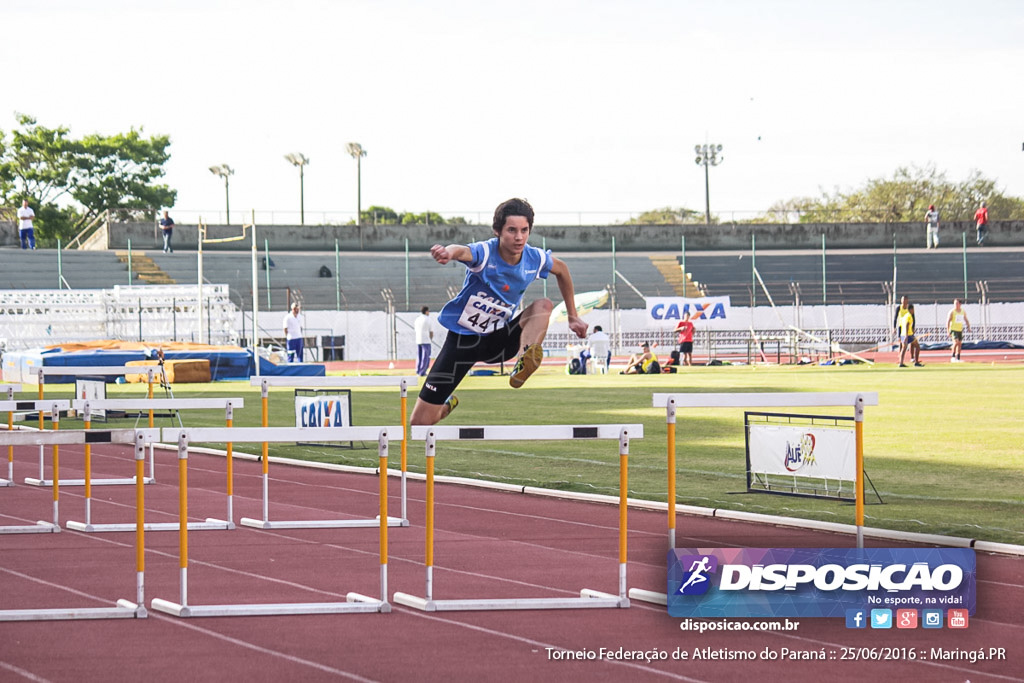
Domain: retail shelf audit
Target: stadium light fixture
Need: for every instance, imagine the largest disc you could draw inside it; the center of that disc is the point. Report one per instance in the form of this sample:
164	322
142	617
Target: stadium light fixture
708	155
357	152
301	161
225	171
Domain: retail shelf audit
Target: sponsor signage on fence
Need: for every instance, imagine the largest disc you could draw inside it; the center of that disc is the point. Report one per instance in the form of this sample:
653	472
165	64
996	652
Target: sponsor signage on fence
668	311
817	582
322	410
803	451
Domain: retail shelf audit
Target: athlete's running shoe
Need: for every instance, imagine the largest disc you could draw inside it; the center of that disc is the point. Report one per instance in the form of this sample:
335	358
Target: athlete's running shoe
529	361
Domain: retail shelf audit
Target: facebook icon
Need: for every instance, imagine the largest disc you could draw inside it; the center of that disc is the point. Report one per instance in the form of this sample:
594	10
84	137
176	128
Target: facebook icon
856	618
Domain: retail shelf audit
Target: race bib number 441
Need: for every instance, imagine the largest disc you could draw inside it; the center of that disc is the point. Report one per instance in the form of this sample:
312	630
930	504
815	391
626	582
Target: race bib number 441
483	316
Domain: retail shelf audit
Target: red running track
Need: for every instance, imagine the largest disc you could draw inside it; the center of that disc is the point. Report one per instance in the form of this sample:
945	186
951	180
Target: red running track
489	544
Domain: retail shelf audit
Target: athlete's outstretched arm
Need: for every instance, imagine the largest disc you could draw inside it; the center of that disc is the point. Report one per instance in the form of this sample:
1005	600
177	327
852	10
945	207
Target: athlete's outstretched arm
453	252
565	286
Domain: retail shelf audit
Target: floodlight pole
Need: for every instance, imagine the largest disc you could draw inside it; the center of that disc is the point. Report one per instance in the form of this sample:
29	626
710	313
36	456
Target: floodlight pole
708	155
300	160
357	152
224	171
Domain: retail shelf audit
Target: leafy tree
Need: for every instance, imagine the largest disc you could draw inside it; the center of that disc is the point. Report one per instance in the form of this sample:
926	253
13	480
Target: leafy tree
383	215
379	215
669	216
120	172
70	181
903	198
427	218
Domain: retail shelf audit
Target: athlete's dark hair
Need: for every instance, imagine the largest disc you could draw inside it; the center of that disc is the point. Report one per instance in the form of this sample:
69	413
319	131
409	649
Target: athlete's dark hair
512	207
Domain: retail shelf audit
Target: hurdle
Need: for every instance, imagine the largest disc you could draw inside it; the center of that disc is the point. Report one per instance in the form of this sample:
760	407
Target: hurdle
355	602
176	404
94	371
328	383
8	391
41	406
670	402
588	597
139	438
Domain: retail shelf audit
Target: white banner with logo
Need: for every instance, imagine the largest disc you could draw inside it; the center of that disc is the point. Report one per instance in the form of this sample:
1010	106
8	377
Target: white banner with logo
322	411
803	451
667	311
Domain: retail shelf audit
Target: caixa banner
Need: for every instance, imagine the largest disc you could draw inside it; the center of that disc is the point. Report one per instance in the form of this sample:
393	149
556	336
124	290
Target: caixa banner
816	582
667	311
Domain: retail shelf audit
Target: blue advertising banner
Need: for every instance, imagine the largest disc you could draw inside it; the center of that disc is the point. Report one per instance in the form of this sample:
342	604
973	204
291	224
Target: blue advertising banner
817	582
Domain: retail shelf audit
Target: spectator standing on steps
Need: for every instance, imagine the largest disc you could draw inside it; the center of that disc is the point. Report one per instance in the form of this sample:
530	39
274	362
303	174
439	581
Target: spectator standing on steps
25	230
167	226
293	334
981	221
931	219
424	337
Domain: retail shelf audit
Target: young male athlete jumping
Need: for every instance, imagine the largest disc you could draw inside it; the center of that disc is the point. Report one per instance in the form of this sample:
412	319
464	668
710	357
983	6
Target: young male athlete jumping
482	323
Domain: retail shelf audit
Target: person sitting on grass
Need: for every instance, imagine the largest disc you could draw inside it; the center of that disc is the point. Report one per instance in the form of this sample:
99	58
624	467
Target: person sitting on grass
646	363
482	321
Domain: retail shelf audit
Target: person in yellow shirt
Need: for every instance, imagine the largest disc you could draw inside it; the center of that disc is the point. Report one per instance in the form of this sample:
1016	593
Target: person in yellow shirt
955	324
905	330
644	364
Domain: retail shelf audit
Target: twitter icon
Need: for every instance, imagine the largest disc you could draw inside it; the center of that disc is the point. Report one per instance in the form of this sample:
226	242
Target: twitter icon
881	618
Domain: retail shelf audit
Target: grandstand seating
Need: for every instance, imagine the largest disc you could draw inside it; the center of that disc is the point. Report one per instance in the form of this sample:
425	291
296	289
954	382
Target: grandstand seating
854	276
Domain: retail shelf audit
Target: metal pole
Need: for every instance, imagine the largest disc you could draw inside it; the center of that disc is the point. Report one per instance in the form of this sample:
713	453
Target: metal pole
613	260
302	195
60	274
707	192
227	201
753	276
266	262
824	295
682	246
407	273
199	282
255	301
129	262
963	237
337	275
359	191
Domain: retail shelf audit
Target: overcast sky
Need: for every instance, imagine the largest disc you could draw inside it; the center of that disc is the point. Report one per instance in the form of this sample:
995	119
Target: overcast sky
582	106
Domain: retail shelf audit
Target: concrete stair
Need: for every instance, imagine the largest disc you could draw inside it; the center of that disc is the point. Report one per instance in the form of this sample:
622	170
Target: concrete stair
145	269
670	269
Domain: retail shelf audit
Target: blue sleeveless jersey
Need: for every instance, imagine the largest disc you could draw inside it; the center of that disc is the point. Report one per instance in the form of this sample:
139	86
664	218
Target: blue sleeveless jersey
493	289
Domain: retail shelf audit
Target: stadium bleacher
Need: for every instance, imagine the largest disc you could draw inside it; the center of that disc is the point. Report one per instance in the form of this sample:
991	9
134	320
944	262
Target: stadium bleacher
853	276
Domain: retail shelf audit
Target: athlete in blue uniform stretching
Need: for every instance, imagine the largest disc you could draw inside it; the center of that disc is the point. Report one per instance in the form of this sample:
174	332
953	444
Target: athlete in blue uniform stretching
482	321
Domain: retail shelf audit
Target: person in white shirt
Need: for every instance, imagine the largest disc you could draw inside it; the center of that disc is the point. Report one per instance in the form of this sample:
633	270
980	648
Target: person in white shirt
424	336
931	219
25	230
600	347
293	334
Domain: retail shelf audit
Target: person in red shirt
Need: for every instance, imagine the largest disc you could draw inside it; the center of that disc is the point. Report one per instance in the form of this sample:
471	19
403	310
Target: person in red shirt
685	330
981	218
